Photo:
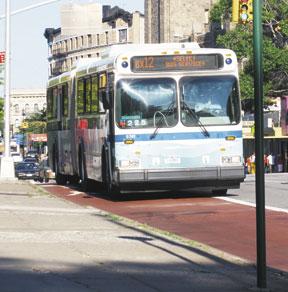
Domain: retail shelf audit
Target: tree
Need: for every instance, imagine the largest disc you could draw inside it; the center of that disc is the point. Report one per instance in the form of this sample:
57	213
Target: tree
275	47
36	123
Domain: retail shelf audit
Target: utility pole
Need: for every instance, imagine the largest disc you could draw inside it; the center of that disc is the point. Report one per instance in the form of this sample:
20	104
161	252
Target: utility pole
7	164
259	145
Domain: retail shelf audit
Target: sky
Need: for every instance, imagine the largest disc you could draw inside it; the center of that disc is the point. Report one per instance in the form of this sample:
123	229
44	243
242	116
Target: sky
29	51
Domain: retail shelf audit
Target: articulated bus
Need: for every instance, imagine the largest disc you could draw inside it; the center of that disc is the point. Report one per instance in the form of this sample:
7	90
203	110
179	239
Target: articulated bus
163	116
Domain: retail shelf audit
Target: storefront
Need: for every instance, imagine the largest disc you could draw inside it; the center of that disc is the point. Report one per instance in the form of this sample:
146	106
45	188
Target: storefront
276	145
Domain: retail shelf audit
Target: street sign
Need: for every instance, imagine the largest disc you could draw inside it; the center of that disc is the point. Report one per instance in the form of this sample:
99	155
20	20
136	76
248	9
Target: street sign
2	57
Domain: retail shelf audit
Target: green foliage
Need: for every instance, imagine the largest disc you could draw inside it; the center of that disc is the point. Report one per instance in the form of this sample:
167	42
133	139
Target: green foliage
239	40
220	9
275	47
1	109
36	123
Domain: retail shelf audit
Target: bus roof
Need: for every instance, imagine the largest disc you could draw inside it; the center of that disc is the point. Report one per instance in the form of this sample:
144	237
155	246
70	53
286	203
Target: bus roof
116	50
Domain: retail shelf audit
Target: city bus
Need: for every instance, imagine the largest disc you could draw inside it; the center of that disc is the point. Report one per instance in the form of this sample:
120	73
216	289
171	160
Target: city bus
151	116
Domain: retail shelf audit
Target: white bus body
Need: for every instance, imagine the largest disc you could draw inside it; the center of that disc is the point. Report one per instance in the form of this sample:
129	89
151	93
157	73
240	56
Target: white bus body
149	116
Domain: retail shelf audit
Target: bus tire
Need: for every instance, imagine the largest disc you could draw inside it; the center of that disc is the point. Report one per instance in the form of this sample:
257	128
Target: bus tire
221	192
59	178
73	179
84	181
110	190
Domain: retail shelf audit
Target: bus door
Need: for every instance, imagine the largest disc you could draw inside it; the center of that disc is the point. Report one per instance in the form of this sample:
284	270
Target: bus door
106	94
64	138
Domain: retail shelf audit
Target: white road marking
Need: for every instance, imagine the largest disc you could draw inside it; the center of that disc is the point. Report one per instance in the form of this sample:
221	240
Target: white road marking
252	204
74	193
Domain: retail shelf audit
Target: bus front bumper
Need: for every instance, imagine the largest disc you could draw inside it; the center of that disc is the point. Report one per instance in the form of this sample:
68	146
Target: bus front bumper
221	177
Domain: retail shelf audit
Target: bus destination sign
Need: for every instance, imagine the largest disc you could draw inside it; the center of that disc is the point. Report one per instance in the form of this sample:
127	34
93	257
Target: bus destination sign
176	63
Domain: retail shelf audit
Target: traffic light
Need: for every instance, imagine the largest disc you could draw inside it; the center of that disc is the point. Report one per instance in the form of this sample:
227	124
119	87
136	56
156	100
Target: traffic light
245	11
235	11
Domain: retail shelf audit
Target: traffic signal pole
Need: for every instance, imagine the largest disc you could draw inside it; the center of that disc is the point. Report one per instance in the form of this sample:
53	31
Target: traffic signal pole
259	145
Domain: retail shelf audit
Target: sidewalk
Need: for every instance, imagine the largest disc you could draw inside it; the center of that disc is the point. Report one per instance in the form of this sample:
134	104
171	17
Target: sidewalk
48	244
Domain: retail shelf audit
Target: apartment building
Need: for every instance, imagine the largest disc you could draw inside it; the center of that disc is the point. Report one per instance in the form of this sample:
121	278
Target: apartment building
87	30
23	103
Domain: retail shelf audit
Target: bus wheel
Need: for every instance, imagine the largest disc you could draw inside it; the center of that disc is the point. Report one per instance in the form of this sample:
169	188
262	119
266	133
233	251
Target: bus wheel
59	178
222	192
73	179
110	190
84	181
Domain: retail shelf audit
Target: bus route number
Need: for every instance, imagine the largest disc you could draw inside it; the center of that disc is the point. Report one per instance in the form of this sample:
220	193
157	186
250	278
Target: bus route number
144	63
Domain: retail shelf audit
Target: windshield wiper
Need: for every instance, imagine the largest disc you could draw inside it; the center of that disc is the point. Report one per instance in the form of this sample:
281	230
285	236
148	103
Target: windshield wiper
169	110
192	113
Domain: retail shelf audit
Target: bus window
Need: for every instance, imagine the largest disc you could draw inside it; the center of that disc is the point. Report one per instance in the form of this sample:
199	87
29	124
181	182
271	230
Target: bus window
65	100
214	100
144	103
80	96
49	103
54	102
94	95
87	103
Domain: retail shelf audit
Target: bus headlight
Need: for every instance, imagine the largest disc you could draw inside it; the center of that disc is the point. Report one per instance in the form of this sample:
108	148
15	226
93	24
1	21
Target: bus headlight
231	159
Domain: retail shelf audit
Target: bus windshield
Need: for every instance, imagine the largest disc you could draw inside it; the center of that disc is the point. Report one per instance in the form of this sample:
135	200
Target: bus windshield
213	100
146	103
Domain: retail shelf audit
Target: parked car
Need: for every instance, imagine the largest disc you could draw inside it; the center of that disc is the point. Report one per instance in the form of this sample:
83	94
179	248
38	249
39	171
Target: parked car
45	172
30	159
32	153
27	170
17	157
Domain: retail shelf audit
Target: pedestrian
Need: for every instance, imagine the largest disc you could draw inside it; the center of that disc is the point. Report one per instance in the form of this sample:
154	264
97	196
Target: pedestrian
279	163
271	162
266	163
253	164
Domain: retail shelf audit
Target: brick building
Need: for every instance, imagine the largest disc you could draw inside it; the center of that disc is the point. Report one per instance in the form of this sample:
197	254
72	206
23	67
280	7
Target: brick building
178	21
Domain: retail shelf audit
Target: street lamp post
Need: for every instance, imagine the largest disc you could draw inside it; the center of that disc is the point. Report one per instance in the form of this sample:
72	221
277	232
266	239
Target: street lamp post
7	165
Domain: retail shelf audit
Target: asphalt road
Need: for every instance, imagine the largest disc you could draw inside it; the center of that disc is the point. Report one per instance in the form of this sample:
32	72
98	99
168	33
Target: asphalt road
276	190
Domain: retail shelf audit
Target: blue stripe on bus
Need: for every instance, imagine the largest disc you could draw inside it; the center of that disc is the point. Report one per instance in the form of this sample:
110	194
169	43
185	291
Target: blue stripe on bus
178	136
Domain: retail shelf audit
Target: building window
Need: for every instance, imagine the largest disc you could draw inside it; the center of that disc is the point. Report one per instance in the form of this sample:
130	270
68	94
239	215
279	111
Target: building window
206	16
89	40
98	39
36	108
44	106
106	37
27	109
17	123
122	35
16	108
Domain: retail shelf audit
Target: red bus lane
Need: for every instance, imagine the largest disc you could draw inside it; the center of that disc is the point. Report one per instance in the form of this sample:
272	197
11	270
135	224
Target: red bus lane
220	224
